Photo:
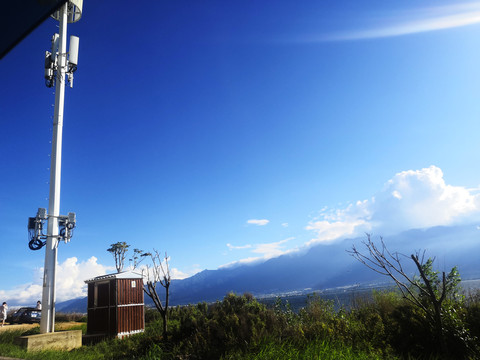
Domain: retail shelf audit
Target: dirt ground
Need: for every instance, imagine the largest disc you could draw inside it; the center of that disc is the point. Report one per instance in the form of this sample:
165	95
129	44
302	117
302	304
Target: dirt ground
25	327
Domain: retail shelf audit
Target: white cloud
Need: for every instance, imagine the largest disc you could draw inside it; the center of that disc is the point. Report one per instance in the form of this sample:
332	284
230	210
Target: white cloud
411	199
411	22
396	194
425	201
327	231
175	273
245	261
233	247
178	274
259	222
267	251
270	250
70	282
71	275
285	225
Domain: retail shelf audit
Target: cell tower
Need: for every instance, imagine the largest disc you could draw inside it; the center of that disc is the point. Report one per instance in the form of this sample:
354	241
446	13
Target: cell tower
59	66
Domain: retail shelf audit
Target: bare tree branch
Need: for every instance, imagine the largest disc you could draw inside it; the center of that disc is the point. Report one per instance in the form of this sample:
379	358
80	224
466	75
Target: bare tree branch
158	273
428	293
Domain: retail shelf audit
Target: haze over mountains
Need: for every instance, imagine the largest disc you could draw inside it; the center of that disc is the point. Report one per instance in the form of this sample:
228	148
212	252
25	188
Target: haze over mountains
324	266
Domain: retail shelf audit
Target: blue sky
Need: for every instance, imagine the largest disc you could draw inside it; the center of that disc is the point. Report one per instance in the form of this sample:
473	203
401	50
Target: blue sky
229	131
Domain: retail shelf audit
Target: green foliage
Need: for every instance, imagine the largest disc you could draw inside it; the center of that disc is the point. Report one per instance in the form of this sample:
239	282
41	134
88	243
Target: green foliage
118	250
208	331
381	326
33	331
313	350
152	315
438	309
7	337
472	313
435	279
455	337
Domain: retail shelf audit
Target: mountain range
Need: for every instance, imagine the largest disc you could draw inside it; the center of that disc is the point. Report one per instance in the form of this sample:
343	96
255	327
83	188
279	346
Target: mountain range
323	266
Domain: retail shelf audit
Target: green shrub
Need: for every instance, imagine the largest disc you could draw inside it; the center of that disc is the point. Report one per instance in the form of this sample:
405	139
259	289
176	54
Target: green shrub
151	315
237	323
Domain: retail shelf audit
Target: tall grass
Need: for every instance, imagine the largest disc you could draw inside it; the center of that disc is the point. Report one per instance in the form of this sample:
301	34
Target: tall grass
315	350
239	327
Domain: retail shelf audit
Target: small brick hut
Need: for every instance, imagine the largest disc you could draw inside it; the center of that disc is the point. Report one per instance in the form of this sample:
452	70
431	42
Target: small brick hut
115	305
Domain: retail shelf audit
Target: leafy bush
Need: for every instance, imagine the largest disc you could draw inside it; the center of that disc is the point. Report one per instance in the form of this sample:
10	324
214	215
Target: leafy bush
208	331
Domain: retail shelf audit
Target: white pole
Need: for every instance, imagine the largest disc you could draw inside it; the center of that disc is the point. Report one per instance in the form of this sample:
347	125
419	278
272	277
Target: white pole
47	323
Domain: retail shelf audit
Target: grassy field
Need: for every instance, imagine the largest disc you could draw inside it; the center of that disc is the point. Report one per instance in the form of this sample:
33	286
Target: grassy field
239	327
114	350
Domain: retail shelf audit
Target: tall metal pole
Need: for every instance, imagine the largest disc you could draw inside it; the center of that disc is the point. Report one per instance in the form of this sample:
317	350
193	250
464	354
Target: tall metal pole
47	323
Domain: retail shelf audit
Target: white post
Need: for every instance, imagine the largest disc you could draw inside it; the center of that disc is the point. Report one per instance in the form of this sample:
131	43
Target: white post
47	323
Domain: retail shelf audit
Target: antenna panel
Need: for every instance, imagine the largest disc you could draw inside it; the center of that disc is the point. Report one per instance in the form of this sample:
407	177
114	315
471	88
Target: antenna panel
73	50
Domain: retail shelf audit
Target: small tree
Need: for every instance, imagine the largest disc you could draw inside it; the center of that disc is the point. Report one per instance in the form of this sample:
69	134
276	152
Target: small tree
119	250
158	273
138	257
428	291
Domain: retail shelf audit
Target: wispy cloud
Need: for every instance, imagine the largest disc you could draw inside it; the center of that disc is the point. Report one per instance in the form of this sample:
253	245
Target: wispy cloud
232	247
178	274
245	261
259	222
175	273
270	250
408	22
266	250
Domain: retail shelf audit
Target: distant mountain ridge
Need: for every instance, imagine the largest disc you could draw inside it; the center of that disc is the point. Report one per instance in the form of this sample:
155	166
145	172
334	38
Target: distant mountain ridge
323	266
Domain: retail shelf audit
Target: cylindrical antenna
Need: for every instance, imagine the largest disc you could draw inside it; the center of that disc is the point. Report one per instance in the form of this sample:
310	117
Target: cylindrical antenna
73	50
